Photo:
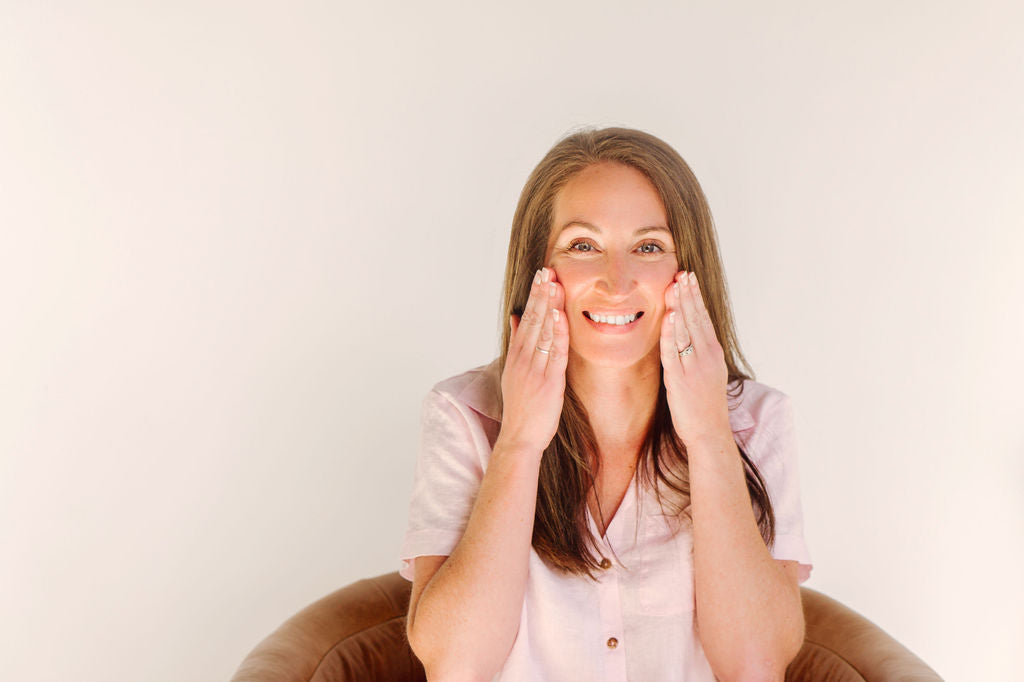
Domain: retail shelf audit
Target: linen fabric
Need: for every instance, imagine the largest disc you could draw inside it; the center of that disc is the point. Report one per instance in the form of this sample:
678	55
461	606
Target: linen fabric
637	622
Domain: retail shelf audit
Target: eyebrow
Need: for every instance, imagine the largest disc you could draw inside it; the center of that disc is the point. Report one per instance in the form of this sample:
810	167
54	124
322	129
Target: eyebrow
595	228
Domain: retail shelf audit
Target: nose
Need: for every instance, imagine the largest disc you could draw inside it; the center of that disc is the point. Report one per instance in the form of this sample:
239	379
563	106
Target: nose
617	278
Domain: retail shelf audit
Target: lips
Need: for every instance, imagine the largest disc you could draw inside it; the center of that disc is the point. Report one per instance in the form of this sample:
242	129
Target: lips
613	318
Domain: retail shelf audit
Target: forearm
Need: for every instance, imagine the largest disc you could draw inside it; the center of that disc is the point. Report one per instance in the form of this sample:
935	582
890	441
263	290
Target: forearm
469	613
749	617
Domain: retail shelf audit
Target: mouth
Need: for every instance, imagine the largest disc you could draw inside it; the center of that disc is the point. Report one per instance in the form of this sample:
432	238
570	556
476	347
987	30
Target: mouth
613	320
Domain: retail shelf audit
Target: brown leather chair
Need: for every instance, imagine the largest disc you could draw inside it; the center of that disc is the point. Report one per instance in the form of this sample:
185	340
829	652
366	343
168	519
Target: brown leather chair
358	634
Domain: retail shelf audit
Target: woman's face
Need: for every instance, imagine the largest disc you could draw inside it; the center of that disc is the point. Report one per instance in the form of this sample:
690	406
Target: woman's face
613	253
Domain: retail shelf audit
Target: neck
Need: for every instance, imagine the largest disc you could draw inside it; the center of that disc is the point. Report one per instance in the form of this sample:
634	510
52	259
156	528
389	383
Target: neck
620	402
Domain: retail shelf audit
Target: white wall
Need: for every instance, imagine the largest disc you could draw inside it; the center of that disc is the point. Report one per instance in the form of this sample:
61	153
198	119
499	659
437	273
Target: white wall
241	240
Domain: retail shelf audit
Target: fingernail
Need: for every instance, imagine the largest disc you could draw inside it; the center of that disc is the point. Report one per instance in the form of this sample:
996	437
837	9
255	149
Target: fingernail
536	278
547	275
693	278
672	317
555	313
676	287
552	288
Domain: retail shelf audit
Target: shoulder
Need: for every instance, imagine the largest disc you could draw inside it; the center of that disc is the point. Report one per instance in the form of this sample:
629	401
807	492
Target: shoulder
477	389
759	410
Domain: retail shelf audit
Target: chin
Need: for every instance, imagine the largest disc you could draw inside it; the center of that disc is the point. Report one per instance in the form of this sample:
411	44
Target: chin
613	356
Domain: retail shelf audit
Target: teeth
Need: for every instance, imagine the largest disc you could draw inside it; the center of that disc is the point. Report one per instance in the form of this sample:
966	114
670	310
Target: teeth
613	319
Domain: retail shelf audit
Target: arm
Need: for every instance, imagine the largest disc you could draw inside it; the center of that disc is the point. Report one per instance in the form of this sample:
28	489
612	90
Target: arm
464	619
739	586
749	615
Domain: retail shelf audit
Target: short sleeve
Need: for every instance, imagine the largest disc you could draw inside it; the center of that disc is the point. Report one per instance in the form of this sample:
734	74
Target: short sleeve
449	470
777	459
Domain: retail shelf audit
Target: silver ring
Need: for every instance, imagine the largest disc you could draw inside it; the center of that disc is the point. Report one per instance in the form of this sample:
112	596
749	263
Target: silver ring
687	350
541	350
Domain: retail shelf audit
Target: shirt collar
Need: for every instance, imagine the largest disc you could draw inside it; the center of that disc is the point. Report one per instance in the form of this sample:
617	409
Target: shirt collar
482	394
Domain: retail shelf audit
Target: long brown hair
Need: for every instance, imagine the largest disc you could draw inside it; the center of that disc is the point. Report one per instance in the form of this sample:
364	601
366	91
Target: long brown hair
561	534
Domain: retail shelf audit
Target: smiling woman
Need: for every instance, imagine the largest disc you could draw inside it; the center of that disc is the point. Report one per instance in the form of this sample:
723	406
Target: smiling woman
608	269
612	497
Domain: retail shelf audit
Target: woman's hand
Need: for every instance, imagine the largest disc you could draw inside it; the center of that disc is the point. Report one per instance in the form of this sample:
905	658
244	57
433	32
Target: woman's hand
695	383
533	382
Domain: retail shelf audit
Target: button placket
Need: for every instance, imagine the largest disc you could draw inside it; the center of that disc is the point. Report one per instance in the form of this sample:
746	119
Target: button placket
611	617
611	626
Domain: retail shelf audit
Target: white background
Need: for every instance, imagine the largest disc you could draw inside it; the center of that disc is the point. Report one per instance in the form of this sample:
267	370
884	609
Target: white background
240	241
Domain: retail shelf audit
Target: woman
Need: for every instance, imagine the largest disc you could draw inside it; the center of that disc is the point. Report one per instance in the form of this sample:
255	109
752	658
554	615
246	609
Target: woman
612	498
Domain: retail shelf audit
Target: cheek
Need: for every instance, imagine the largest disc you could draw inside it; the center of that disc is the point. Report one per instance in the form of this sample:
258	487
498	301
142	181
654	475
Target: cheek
666	273
659	285
573	280
578	277
572	298
570	269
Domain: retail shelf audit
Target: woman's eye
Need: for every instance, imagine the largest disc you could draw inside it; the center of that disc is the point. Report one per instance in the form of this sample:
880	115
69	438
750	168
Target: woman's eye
573	245
656	245
585	246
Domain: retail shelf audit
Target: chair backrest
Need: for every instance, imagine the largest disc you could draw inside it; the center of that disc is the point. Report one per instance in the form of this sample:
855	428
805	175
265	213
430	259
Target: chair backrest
355	633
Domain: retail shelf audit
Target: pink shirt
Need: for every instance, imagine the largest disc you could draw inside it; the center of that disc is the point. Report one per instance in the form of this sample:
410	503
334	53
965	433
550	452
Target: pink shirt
638	622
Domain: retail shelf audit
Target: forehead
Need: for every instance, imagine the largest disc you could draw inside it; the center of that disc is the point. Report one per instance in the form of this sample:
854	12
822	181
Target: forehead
610	195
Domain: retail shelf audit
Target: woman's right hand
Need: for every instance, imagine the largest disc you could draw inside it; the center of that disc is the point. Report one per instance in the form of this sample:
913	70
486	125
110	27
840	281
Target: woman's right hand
533	382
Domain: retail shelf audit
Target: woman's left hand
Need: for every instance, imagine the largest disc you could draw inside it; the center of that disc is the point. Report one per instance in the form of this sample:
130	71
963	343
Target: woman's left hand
695	383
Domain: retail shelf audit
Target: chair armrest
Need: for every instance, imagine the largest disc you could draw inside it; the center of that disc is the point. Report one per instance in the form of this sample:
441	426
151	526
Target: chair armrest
354	633
358	633
841	645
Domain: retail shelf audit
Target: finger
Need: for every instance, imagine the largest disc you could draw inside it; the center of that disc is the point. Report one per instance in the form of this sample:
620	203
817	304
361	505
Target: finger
532	318
677	325
537	310
669	354
691	322
559	357
697	319
557	299
558	360
544	343
704	323
683	336
671	297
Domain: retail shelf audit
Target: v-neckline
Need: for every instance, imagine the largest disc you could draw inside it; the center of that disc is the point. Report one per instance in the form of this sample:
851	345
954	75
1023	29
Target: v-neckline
627	499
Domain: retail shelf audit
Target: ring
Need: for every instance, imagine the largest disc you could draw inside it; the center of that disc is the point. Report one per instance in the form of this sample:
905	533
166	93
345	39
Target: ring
541	350
687	350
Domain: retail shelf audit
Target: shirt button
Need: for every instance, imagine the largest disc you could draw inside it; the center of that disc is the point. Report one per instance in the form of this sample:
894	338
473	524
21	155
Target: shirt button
605	564
612	642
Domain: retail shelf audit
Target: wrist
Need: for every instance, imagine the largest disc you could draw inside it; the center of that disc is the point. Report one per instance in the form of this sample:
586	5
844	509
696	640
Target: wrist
507	445
710	441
